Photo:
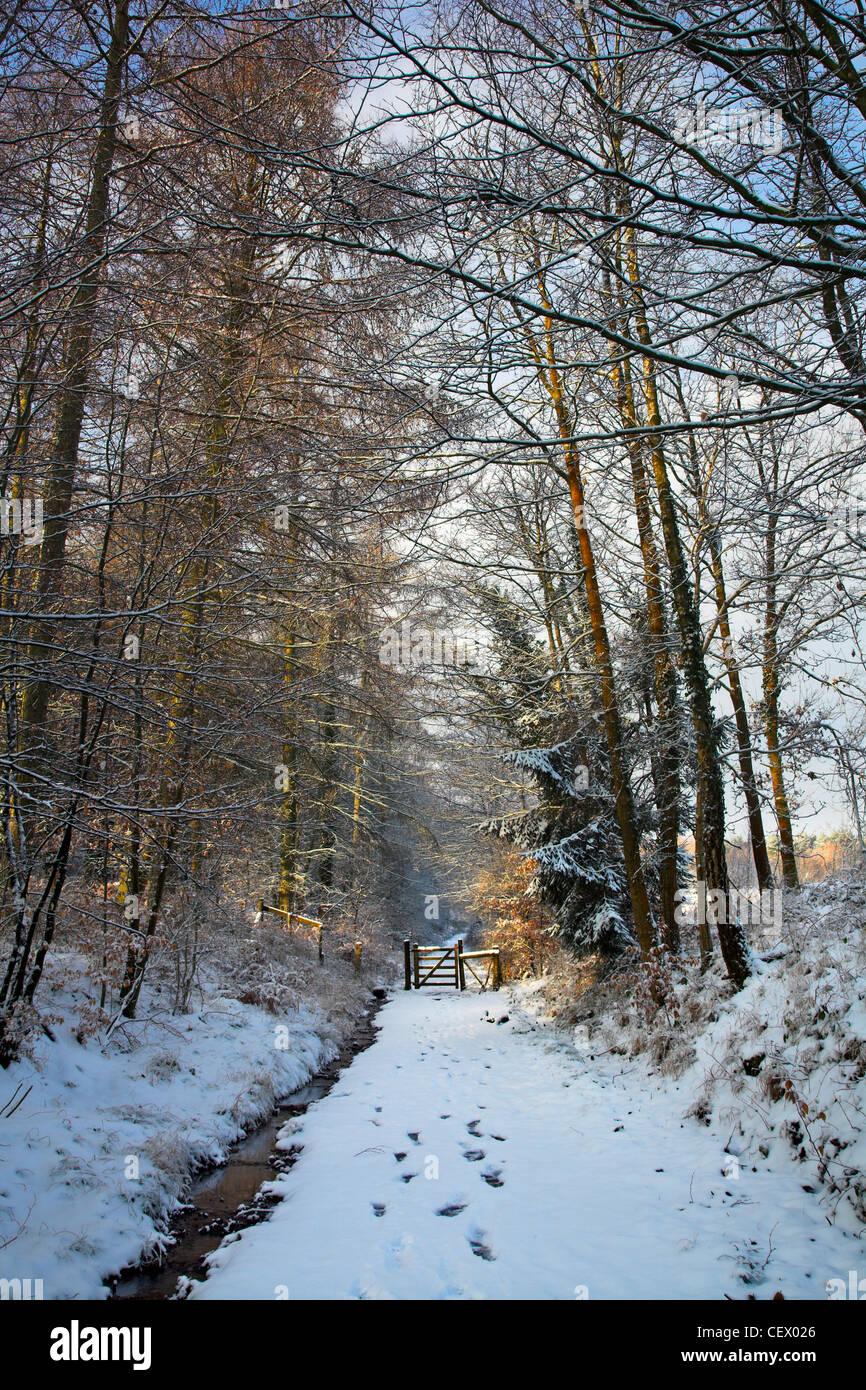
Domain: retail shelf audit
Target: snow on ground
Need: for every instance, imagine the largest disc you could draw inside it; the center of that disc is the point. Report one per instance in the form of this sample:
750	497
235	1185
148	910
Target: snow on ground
463	1157
98	1154
778	1067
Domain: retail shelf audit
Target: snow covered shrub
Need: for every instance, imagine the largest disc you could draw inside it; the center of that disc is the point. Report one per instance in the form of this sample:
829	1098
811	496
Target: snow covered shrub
89	951
268	995
160	1066
184	927
172	1152
271	968
781	1063
659	1009
255	1100
92	1021
784	1060
23	1027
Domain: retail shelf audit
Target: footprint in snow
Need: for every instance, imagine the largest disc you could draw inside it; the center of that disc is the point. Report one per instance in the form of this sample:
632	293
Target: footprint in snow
493	1177
452	1209
473	1155
407	1177
413	1135
473	1127
379	1208
479	1247
400	1156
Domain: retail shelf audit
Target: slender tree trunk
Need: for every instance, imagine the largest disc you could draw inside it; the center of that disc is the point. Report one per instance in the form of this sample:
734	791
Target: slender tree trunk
667	781
183	700
548	374
73	397
289	803
715	867
644	926
770	683
741	719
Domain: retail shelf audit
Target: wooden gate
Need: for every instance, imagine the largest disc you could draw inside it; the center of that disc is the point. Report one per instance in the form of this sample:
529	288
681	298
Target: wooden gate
447	965
436	965
487	961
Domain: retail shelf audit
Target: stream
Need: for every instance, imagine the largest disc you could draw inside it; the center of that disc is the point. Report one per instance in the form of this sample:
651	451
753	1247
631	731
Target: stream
230	1198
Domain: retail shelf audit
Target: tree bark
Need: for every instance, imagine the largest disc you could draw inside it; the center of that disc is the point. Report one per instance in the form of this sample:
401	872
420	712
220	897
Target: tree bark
667	782
763	868
715	867
73	398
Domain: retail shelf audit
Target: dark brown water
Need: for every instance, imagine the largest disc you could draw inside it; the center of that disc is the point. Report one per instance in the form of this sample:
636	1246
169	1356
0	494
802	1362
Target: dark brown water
229	1198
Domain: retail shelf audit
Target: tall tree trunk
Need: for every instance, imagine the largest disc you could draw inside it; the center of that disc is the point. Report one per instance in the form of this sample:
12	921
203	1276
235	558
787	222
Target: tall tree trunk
287	883
741	719
183	713
710	530
548	374
770	681
625	813
289	804
715	867
667	780
73	397
710	782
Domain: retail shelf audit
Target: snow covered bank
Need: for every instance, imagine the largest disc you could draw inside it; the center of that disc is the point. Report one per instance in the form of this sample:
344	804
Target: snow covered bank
106	1140
777	1071
474	1153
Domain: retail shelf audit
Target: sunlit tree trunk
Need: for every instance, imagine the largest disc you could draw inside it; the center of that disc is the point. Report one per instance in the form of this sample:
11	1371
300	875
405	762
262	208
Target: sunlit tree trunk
763	869
770	688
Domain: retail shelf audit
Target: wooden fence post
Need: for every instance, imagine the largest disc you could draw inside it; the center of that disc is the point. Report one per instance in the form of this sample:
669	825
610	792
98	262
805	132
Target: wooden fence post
461	968
357	957
407	964
417	971
497	969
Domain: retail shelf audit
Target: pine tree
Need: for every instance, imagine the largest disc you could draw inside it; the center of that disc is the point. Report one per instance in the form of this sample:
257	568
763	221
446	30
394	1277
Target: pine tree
571	835
572	841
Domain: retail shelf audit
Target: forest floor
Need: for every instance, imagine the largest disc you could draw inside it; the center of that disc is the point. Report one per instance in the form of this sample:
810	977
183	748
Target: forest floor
476	1152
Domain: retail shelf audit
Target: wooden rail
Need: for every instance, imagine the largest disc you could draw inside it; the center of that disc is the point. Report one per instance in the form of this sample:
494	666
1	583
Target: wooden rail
262	907
494	966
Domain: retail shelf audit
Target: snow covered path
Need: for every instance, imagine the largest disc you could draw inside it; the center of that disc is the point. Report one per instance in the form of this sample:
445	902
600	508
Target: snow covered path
463	1158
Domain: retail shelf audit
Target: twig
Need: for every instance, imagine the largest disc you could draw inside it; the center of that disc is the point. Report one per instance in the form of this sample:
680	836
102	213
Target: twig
7	1114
